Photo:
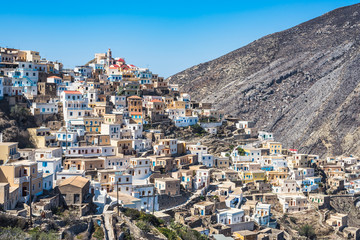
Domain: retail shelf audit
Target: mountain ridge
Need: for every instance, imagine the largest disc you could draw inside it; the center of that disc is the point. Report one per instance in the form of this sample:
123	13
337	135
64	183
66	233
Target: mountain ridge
301	83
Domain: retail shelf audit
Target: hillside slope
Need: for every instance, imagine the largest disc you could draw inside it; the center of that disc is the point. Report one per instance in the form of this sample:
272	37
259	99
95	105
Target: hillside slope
301	83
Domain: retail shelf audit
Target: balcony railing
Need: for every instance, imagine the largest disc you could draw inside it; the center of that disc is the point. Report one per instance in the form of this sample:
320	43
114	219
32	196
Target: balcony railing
21	180
15	156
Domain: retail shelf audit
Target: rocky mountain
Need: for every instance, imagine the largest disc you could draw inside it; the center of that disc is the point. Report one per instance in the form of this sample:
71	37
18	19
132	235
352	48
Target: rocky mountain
302	83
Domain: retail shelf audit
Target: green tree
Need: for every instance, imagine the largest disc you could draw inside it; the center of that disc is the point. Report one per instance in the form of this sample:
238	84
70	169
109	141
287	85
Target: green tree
307	231
197	129
19	113
241	151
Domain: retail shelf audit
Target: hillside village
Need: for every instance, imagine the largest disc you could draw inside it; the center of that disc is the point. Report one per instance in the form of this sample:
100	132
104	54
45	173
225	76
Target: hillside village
118	152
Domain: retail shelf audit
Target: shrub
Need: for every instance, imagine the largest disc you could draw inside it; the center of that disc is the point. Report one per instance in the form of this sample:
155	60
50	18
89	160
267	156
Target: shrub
19	113
307	231
37	234
215	198
151	219
170	234
12	221
132	213
57	211
197	129
184	232
241	151
146	126
145	226
99	233
69	217
293	219
10	233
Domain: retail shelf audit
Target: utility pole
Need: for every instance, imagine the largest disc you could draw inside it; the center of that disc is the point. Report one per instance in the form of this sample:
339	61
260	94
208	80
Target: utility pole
66	139
153	199
30	200
117	196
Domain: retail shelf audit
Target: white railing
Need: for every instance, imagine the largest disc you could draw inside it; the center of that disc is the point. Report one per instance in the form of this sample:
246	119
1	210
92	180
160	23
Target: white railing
21	180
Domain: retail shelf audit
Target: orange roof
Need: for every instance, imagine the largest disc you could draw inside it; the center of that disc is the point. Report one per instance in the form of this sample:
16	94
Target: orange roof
156	100
134	97
72	92
54	77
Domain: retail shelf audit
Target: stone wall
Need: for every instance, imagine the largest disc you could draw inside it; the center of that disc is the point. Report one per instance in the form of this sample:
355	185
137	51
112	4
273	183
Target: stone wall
242	226
166	201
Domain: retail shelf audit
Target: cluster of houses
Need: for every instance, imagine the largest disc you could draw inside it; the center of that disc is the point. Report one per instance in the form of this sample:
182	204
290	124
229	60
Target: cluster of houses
103	150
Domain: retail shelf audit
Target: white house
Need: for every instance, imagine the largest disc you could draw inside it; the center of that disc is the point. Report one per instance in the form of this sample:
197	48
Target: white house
185	121
44	108
285	186
90	151
118	101
207	160
141	168
54	79
202	178
113	130
231	216
266	136
197	149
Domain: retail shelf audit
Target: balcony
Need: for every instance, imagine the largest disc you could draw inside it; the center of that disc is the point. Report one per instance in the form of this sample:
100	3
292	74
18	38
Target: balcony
53	144
79	108
21	180
14	156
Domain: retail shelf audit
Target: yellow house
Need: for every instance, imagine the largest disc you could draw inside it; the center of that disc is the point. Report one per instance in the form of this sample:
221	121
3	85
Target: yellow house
274	147
252	176
20	174
274	176
135	108
41	137
177	105
169	101
113	118
9	152
93	124
245	235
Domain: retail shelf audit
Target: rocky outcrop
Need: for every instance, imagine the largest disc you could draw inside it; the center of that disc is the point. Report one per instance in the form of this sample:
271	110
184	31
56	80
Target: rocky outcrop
302	83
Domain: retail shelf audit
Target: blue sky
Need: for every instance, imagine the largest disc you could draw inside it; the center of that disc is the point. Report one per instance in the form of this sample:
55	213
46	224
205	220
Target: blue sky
166	36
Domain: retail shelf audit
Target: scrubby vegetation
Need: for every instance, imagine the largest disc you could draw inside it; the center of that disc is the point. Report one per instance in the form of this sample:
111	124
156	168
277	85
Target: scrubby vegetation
197	130
307	231
98	233
186	233
174	231
170	234
144	217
